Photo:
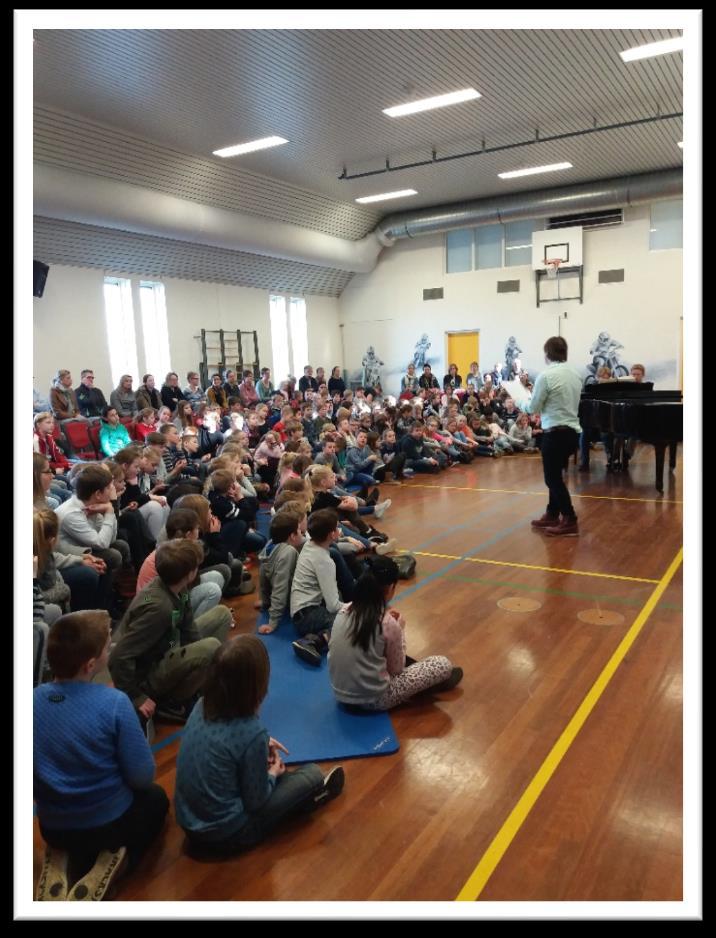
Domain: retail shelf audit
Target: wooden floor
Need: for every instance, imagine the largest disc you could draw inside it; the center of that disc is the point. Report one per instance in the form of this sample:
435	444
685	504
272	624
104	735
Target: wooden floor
414	825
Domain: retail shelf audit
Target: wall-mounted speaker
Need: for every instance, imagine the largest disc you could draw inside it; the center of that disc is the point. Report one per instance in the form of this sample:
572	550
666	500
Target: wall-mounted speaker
39	276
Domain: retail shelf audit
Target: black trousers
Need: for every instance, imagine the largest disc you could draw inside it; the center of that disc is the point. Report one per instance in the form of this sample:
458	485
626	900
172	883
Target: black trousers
557	447
135	830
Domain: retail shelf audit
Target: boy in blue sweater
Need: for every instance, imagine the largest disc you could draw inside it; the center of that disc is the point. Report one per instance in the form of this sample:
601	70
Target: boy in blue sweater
97	803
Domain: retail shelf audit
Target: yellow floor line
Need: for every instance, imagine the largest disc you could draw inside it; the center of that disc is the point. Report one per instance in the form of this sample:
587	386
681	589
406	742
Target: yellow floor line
532	566
494	853
542	493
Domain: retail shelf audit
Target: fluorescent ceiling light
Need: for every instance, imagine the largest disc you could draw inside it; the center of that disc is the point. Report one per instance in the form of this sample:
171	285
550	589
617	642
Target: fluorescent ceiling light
653	48
680	144
552	168
252	145
387	195
427	104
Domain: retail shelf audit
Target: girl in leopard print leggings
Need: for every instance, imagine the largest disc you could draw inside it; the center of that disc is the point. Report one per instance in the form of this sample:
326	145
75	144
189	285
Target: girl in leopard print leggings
366	654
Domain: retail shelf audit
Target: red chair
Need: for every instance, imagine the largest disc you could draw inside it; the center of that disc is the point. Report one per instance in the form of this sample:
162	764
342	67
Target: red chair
77	434
93	433
127	421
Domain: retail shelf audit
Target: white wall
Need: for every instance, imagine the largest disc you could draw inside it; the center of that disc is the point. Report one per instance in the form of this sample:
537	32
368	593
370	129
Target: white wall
385	308
69	325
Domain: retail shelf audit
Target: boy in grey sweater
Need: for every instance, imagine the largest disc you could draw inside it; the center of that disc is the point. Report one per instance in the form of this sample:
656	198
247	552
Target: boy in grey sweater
315	599
278	562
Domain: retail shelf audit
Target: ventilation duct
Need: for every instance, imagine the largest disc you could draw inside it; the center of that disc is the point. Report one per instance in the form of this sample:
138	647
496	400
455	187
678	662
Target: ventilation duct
95	200
545	203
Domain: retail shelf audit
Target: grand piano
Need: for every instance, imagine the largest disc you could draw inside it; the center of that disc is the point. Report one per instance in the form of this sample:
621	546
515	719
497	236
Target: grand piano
631	409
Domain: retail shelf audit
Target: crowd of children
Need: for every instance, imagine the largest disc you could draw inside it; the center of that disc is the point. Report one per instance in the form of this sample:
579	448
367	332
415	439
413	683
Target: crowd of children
133	553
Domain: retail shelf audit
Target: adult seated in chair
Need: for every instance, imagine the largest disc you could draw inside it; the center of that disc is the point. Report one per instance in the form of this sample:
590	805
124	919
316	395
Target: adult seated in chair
147	394
63	400
123	398
90	400
215	393
171	393
307	382
265	388
586	437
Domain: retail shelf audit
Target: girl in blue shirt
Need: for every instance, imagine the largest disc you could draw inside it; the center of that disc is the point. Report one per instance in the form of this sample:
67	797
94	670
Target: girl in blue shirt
232	786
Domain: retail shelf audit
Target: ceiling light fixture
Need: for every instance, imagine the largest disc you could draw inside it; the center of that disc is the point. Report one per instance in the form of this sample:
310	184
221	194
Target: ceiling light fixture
251	146
552	168
401	193
653	48
427	104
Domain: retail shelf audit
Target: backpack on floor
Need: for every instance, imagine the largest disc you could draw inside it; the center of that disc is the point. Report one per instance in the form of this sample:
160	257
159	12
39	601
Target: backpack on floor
406	564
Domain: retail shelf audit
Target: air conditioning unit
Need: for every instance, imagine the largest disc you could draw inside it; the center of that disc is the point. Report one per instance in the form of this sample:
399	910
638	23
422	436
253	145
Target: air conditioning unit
605	218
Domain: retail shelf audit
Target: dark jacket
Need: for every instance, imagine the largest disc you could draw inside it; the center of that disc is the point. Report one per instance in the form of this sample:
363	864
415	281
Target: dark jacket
428	381
171	397
90	401
147	398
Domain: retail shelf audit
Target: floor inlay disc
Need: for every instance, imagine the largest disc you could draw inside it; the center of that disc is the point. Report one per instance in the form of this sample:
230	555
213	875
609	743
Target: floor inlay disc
600	617
518	604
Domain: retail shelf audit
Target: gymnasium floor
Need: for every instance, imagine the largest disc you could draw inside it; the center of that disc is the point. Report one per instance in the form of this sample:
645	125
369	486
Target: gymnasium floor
437	820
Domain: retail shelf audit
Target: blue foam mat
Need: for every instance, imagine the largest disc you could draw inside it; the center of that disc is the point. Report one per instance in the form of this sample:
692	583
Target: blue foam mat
302	713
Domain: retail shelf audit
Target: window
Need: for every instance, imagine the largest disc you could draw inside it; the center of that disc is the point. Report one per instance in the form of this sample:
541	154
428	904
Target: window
459	250
289	335
119	318
667	225
154	328
518	242
279	337
489	246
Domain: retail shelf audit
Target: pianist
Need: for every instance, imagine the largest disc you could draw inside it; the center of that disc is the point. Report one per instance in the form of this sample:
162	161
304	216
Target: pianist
637	372
556	397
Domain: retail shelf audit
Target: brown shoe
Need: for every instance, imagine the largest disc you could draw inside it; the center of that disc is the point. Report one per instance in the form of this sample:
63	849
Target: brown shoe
546	521
567	527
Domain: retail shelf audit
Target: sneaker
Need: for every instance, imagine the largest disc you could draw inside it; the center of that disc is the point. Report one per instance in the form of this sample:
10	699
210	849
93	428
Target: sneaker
52	884
332	786
306	650
408	473
247	586
546	521
386	548
95	885
567	527
372	499
382	507
452	681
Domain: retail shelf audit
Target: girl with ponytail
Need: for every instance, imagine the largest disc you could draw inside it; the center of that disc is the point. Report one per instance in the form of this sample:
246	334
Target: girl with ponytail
366	654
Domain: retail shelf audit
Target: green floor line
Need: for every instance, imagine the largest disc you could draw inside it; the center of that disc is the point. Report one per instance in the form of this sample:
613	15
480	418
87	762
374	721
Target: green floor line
555	592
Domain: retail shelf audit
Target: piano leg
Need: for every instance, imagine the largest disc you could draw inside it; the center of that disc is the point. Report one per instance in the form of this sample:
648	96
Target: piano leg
672	456
660	452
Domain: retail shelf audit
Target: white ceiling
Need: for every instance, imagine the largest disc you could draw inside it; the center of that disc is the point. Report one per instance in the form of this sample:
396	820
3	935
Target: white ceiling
148	107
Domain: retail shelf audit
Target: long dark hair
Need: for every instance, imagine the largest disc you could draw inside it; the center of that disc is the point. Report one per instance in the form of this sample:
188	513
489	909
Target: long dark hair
368	607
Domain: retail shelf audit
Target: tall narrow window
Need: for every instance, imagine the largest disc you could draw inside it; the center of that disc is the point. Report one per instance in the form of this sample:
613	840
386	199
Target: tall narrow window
666	229
289	335
119	318
154	328
279	337
518	243
299	334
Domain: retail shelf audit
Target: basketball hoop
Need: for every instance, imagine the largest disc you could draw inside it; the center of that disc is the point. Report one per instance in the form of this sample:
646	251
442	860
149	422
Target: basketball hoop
552	267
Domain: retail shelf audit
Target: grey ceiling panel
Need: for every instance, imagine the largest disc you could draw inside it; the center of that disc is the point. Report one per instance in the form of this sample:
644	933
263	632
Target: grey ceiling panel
192	91
74	245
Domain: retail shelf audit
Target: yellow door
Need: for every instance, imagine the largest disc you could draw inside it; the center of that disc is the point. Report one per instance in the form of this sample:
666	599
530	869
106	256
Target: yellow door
463	348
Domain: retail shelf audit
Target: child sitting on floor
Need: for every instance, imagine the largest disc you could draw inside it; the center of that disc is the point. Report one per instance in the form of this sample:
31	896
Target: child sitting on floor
232	786
366	659
278	561
97	804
